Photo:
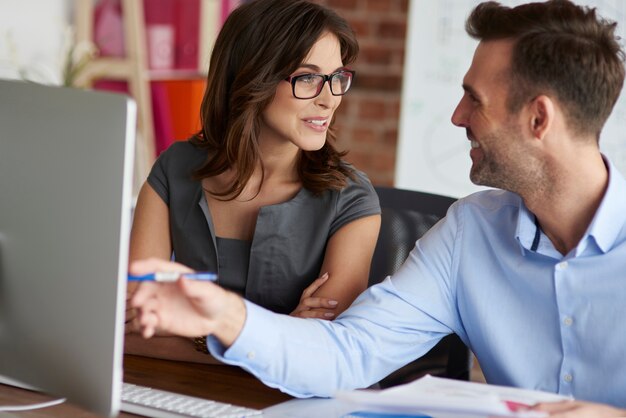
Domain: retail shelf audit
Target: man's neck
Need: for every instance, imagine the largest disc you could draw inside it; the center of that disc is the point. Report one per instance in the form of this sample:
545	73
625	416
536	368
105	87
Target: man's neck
567	206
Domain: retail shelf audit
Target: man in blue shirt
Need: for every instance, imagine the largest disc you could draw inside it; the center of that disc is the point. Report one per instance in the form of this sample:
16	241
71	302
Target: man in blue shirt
531	277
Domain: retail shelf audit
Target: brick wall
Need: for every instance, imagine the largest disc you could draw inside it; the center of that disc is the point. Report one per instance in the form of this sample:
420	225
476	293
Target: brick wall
368	119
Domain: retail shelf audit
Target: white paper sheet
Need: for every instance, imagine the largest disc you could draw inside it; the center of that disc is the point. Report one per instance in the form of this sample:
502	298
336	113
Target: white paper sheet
430	394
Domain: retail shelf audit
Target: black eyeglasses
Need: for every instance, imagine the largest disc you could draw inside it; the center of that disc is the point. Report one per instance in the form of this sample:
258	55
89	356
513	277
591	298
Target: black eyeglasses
308	86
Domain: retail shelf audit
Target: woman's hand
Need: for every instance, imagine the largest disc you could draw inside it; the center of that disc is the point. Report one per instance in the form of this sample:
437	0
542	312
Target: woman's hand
131	312
578	409
189	308
315	307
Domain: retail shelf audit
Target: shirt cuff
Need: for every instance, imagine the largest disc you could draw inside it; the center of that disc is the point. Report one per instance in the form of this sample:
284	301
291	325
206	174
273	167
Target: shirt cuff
253	339
255	349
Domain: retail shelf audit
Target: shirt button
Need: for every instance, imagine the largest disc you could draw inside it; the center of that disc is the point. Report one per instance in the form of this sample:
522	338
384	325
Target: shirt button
568	321
562	265
568	378
251	355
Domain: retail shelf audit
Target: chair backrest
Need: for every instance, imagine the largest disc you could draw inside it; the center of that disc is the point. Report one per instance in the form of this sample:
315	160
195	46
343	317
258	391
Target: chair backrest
406	216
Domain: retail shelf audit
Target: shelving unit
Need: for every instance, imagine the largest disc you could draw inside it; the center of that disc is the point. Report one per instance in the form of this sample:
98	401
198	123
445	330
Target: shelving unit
132	69
181	88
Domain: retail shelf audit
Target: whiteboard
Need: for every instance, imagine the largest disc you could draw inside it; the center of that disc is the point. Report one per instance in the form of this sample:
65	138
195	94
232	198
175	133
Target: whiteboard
433	154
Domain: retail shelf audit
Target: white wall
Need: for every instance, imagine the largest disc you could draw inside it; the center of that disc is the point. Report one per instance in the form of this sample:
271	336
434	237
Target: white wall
433	154
32	36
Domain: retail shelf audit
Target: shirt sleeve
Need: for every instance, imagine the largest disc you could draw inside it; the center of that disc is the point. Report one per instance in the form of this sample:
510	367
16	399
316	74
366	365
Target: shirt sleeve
388	326
158	177
357	200
171	174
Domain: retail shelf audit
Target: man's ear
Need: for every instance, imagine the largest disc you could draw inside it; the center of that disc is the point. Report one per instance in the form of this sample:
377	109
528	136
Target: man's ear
542	113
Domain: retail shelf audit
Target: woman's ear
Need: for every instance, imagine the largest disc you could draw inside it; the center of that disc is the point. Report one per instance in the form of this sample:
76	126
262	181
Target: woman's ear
542	113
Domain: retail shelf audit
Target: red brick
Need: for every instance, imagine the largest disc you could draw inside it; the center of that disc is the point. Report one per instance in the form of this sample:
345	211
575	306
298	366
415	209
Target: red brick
359	159
378	82
404	6
345	108
376	55
365	136
400	57
393	109
384	161
391	138
362	28
391	29
372	110
377	6
342	4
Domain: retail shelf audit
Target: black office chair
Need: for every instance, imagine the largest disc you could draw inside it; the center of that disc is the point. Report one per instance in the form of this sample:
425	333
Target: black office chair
406	216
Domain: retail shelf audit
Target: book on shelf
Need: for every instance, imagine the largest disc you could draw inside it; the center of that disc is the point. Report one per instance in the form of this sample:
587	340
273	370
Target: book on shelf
109	28
163	124
184	98
187	34
160	19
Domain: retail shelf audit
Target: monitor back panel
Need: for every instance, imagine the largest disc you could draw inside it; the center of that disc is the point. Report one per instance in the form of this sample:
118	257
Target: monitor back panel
65	202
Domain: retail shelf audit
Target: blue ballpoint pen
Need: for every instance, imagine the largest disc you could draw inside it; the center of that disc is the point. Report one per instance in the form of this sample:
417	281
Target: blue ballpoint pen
172	276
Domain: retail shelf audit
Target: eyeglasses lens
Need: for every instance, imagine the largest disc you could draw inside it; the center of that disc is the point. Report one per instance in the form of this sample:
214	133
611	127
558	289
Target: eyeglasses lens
340	82
310	85
307	86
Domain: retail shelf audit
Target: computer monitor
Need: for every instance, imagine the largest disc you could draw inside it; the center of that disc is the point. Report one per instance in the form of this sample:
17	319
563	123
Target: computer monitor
65	204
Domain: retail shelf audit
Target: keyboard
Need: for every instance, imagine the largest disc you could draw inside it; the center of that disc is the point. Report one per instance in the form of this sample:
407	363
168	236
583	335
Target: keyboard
142	400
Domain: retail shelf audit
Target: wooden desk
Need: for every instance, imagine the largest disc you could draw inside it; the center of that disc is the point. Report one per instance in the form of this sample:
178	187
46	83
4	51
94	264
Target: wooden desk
217	382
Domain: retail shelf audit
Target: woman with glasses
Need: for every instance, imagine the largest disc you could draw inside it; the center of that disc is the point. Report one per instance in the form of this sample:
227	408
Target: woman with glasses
260	195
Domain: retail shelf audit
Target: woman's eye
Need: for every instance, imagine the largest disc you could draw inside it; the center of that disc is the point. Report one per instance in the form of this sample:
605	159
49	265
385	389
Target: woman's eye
307	79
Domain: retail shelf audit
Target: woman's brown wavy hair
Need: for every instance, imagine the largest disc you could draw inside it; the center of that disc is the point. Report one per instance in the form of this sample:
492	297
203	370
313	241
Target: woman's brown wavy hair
260	44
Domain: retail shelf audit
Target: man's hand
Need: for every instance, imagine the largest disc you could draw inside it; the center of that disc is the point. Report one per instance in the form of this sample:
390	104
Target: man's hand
188	308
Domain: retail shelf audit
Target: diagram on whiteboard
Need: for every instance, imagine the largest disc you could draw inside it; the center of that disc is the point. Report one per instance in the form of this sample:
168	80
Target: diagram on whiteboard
433	154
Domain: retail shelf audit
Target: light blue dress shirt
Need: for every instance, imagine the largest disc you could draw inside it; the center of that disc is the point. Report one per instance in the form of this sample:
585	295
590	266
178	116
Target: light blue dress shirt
534	319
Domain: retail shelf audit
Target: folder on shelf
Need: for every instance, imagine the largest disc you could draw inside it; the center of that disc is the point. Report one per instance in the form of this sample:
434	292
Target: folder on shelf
115	86
187	34
184	98
160	32
108	29
163	126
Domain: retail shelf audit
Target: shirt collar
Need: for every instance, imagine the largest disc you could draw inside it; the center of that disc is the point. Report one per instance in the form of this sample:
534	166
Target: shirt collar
605	225
611	214
526	227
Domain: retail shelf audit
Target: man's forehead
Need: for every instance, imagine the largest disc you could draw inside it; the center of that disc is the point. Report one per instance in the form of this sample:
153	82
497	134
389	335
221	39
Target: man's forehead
491	62
496	46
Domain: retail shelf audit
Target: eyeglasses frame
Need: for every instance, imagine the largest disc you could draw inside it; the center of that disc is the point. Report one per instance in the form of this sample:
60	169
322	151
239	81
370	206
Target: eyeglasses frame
294	78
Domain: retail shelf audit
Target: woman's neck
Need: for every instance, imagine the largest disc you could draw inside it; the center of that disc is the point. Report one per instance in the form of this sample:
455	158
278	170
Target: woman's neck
279	163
